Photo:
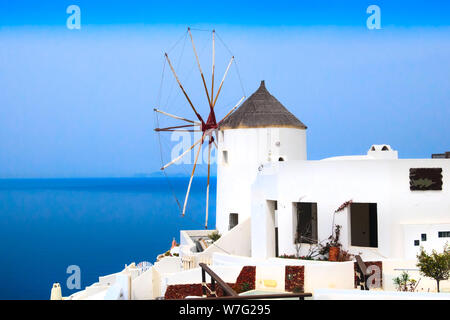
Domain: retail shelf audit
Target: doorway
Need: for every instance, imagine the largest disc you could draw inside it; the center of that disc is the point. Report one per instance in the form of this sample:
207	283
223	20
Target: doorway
272	229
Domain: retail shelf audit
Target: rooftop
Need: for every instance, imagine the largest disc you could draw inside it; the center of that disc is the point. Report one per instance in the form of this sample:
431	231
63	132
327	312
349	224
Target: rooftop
261	110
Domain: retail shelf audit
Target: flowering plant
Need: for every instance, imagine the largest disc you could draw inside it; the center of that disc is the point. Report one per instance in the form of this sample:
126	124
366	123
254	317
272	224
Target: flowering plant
344	205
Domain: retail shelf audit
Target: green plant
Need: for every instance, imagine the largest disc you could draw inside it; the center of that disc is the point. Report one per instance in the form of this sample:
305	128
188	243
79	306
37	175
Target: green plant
404	282
286	256
435	265
214	236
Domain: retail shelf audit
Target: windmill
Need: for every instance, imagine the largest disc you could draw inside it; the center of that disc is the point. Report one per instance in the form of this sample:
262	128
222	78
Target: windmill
200	117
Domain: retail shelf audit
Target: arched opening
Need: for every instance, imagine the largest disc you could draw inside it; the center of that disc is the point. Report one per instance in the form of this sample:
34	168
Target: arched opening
280	159
385	148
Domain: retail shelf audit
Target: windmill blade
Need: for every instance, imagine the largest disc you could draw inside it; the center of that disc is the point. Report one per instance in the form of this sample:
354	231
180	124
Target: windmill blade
174	127
182	89
223	79
181	155
207	186
176	117
231	111
180	130
213	63
192	176
199	67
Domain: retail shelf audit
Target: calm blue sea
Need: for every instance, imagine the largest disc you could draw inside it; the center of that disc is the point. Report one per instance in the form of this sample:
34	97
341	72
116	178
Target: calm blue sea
98	224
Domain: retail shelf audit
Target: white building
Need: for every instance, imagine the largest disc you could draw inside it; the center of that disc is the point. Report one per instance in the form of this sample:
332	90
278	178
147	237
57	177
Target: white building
272	201
263	173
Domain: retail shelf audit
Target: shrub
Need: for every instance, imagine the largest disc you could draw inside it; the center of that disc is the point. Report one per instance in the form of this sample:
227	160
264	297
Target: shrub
214	236
405	283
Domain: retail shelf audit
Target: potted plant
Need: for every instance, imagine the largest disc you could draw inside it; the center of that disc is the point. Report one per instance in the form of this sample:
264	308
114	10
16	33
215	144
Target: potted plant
333	246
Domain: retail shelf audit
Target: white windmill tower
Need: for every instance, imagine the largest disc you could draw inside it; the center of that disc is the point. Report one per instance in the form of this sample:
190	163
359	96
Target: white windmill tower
260	131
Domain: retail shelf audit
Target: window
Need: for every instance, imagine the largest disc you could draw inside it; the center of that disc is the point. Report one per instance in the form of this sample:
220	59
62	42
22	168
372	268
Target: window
280	159
225	156
416	243
305	222
364	225
234	220
444	234
424	236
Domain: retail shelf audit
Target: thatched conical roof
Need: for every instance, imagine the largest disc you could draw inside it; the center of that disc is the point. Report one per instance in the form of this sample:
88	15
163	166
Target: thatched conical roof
261	110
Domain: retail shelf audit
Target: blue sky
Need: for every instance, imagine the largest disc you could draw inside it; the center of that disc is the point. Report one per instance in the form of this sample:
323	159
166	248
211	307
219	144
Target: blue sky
77	103
235	12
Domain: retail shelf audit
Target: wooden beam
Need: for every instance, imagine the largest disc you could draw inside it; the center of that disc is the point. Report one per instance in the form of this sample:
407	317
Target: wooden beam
192	176
231	111
213	63
176	117
223	79
182	89
199	67
225	287
207	183
181	155
174	127
300	296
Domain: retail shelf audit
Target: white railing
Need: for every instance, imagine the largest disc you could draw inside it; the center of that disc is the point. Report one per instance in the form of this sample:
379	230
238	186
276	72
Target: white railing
193	261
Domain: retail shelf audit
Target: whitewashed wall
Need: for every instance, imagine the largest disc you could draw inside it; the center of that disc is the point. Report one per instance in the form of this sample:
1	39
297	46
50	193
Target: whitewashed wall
330	294
236	242
318	274
331	183
247	150
392	268
412	232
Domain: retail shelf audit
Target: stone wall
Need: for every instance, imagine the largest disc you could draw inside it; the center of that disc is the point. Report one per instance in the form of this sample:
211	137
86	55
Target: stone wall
244	282
295	279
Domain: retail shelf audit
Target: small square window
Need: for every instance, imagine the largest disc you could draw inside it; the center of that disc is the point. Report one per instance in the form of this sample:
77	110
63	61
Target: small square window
424	236
225	156
444	234
416	243
234	220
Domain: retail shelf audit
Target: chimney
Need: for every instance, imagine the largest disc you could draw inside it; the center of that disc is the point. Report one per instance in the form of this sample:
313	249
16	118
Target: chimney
445	155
